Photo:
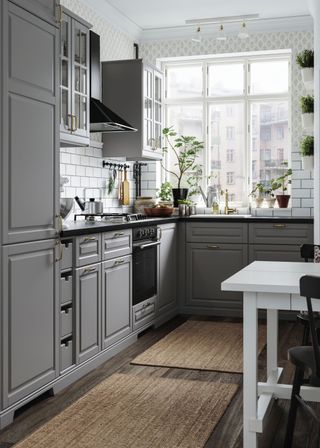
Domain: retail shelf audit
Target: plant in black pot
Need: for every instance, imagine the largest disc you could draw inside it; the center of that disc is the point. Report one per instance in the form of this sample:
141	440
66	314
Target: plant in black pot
185	150
281	183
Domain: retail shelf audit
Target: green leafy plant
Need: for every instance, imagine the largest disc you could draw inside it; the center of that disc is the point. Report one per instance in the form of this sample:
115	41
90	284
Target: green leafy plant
282	182
307	104
305	58
258	190
307	146
165	192
185	150
184	201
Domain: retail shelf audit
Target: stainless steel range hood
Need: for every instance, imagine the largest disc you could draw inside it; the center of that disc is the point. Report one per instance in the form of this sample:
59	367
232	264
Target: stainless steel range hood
102	119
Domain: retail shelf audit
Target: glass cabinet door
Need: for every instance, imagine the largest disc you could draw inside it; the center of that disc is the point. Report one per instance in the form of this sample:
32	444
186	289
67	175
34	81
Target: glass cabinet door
157	143
80	80
65	74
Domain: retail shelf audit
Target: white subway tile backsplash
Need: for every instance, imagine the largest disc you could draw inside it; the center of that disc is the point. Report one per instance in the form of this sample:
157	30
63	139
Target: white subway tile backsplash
301	175
301	212
301	193
70	170
307	202
309	183
75	159
64	158
80	170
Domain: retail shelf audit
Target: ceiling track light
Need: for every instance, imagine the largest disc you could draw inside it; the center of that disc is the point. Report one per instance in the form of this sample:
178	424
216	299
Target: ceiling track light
221	34
243	33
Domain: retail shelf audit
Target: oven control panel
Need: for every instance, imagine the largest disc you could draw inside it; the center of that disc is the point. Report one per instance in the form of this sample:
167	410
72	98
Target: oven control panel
145	233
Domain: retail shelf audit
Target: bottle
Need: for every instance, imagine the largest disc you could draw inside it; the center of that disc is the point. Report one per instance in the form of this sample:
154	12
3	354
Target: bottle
213	199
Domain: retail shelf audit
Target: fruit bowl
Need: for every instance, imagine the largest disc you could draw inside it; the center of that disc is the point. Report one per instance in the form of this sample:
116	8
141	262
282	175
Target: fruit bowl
158	212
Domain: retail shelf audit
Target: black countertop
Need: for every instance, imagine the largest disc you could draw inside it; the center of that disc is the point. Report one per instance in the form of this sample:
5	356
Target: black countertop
84	227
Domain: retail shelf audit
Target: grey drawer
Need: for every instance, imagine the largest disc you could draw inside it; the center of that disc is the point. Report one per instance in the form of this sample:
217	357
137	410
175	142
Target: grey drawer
116	244
65	321
217	232
280	233
144	313
88	249
66	354
66	261
274	252
66	288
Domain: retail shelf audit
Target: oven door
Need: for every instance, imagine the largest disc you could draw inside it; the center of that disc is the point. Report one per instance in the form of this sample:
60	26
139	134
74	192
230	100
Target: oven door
144	271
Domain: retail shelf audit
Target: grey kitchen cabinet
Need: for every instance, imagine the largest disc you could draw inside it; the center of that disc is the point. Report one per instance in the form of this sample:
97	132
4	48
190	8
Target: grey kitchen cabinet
168	264
88	312
30	319
30	126
74	80
88	249
207	265
217	232
280	233
45	9
274	252
116	244
134	91
116	299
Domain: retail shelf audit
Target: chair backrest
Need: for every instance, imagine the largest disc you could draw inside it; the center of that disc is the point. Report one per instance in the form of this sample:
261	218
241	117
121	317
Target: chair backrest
307	252
310	289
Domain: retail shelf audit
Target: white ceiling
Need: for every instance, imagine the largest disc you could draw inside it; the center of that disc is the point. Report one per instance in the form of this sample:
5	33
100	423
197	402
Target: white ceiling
171	13
163	19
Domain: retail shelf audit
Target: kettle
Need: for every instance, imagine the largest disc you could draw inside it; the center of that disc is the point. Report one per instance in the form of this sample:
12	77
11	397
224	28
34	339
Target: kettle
91	207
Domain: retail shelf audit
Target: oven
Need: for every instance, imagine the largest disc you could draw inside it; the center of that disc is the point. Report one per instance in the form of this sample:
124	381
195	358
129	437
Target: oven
145	280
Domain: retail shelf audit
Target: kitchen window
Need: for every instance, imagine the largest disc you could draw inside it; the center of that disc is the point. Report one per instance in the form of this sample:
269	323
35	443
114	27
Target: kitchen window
240	100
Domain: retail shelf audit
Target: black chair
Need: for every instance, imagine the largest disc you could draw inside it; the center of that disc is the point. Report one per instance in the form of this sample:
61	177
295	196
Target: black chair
306	360
307	253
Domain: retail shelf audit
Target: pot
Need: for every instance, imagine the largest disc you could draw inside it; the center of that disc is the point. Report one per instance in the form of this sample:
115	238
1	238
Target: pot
179	194
308	77
283	200
308	122
307	162
270	202
259	202
91	207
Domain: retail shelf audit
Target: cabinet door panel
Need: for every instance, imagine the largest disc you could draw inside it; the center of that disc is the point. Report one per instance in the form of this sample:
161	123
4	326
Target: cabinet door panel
167	291
88	309
116	299
207	266
31	295
267	252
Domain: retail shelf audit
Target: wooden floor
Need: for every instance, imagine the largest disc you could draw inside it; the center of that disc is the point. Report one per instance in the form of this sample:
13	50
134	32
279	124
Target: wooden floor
228	433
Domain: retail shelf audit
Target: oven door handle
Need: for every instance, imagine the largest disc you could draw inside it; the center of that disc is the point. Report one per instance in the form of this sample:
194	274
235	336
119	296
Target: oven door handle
144	246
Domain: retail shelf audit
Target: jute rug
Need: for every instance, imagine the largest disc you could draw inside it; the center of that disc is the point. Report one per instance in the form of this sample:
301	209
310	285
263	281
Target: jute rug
201	345
127	411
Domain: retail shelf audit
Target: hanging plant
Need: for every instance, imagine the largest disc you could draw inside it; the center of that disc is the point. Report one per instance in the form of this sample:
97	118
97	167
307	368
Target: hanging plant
307	150
305	60
307	108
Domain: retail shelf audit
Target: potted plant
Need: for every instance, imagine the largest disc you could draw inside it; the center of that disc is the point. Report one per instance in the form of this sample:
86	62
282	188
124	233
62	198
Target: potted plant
186	150
307	148
305	60
165	195
307	108
281	183
270	197
257	194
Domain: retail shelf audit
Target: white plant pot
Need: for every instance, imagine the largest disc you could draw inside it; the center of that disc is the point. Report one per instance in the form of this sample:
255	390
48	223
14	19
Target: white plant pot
270	202
308	77
259	202
308	122
307	162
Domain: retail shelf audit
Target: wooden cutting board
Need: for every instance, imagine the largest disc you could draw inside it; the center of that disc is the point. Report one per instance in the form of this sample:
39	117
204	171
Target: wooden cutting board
125	189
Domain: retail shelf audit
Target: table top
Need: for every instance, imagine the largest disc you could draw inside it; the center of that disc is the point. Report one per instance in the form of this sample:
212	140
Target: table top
270	277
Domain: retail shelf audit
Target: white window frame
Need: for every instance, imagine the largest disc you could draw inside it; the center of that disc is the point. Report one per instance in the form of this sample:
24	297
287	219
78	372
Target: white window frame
247	58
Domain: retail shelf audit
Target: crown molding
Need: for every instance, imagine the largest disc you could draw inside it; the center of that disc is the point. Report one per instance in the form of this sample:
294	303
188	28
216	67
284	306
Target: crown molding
114	17
268	25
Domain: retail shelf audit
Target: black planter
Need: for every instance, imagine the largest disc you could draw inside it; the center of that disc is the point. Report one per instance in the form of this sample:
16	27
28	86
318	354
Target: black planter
179	194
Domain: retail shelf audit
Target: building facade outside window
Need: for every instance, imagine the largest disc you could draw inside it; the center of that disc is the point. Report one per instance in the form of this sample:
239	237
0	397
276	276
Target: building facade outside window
238	99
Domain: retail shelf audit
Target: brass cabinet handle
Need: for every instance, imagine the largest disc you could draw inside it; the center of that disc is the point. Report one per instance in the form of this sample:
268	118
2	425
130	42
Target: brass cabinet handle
117	262
58	243
210	246
89	238
86	270
279	226
118	235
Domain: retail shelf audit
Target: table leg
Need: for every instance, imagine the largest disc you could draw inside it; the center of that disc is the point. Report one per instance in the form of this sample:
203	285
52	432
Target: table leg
250	352
272	342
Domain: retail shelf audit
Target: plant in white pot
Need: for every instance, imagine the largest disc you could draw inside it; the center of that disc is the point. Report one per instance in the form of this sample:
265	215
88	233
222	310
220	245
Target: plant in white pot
270	196
257	193
305	60
307	108
307	148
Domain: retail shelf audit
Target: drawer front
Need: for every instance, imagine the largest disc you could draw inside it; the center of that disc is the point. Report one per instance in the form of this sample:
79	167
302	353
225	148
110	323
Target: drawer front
66	289
67	252
117	244
275	252
66	354
143	313
217	232
280	233
65	321
88	249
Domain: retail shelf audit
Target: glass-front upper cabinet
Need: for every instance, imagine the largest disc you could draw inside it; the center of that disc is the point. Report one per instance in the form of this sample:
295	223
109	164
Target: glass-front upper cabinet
74	80
152	87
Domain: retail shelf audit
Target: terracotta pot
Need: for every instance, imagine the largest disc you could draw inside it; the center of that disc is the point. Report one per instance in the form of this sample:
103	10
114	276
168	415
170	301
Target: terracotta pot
283	200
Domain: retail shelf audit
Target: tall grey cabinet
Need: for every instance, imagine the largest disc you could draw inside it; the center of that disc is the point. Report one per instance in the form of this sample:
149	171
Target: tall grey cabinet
29	135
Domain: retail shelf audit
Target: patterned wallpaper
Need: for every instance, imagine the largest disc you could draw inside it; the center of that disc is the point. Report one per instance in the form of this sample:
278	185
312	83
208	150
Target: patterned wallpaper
302	185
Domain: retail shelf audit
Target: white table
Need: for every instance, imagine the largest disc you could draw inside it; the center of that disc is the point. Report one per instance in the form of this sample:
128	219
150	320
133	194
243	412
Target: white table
273	286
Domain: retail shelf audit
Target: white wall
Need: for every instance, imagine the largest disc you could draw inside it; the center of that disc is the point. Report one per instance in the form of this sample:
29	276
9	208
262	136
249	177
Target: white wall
302	185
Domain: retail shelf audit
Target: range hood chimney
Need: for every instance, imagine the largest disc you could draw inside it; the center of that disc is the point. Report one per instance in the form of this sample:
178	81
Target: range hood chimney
102	119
